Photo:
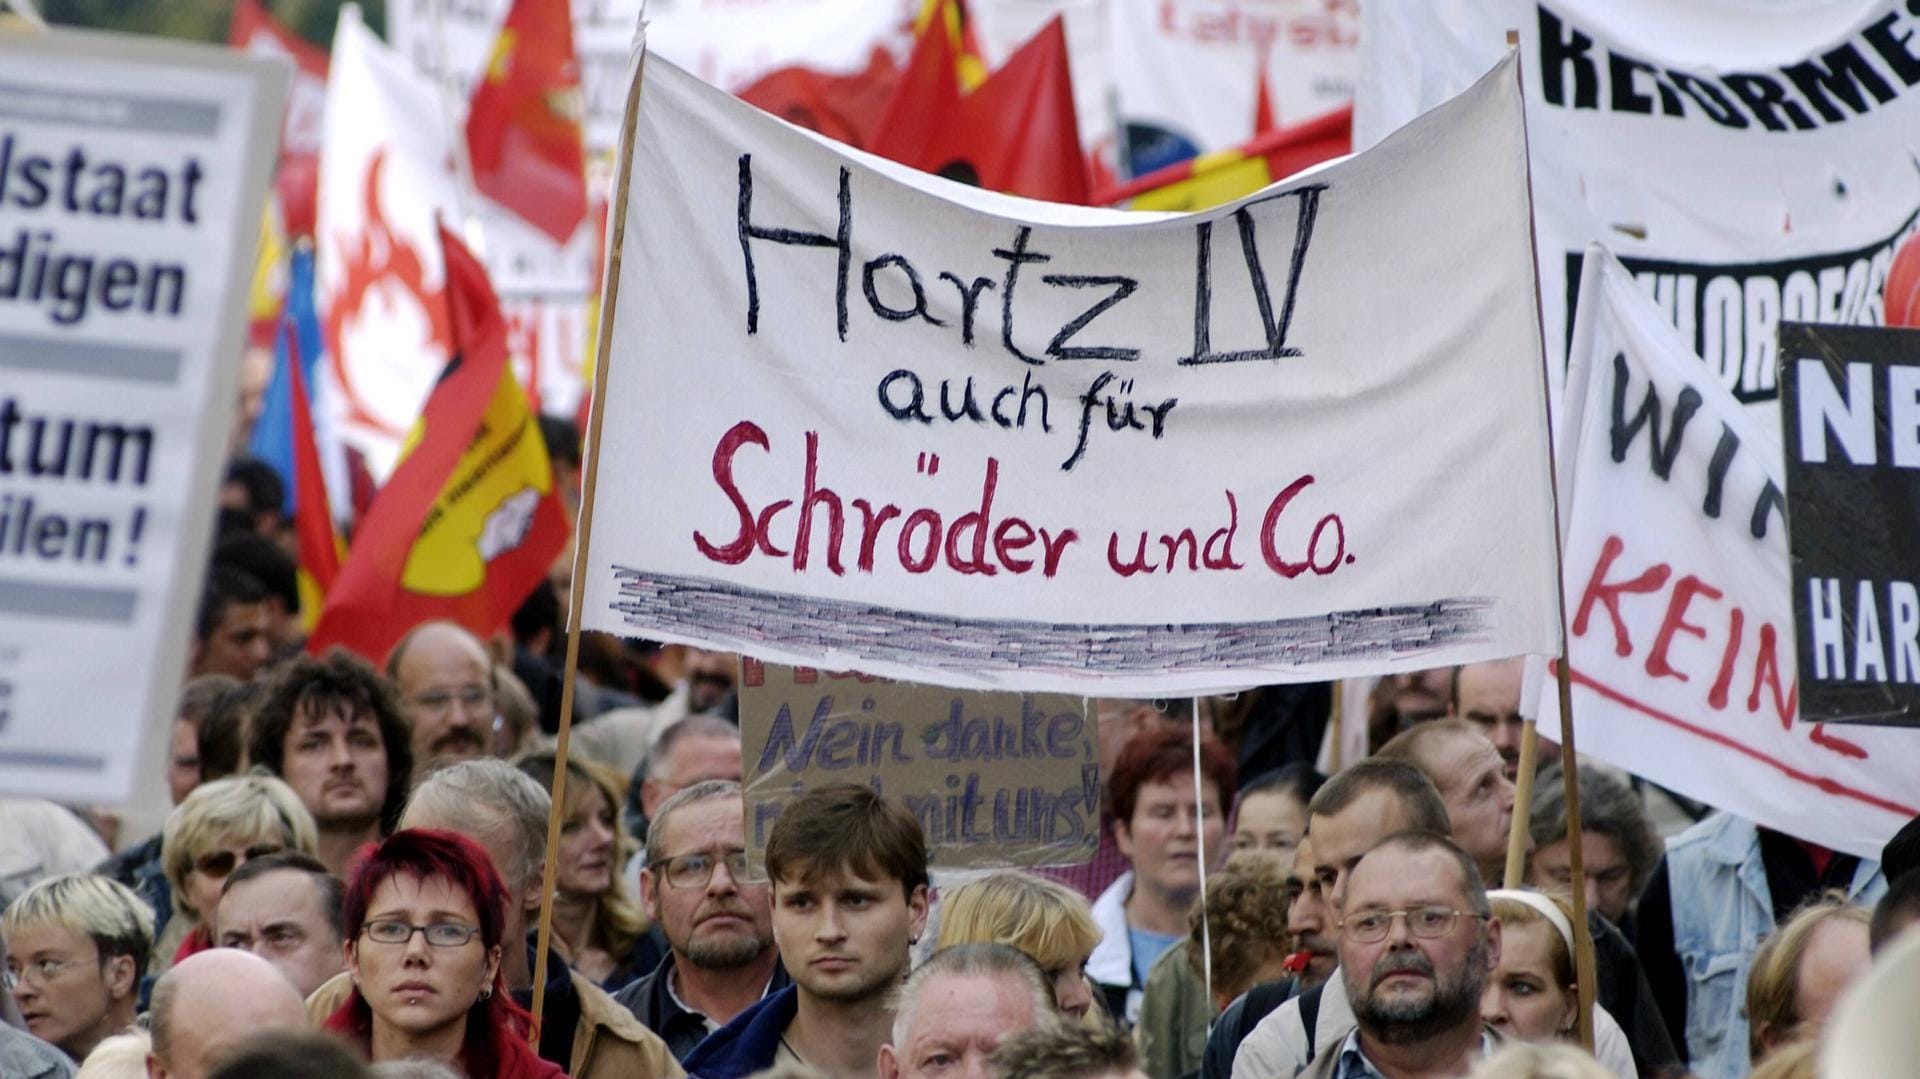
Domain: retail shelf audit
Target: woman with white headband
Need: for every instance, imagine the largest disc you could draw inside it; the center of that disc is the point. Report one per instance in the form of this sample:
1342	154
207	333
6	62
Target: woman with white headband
1531	996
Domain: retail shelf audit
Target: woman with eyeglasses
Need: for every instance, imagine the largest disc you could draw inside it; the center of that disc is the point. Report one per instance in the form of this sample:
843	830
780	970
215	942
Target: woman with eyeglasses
424	915
597	924
213	831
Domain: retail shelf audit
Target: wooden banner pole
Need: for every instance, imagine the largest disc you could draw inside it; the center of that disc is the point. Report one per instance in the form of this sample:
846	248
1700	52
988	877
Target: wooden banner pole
1335	726
583	530
1582	938
1522	806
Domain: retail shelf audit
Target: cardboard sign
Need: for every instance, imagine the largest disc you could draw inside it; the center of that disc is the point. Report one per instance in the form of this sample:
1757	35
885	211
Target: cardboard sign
862	417
1850	416
1679	593
132	174
1648	124
995	779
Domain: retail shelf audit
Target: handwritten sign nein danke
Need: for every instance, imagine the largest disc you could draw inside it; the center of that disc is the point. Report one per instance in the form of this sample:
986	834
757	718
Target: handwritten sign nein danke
994	778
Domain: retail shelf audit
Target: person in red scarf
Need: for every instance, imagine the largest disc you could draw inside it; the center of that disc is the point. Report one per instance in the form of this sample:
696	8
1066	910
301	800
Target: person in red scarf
424	916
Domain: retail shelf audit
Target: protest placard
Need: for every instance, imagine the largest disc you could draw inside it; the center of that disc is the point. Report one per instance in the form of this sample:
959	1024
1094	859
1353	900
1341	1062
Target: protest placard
995	779
1648	124
132	173
861	417
1677	583
1850	420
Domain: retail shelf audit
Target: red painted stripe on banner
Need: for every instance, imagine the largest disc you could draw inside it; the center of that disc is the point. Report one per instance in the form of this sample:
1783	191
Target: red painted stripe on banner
1828	786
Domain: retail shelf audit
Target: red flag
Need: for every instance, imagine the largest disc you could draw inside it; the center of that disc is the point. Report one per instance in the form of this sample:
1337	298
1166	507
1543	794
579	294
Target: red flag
1017	133
523	125
1263	118
470	520
318	543
843	107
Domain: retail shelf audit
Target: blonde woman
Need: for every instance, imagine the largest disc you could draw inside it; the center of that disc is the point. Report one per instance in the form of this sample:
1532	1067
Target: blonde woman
1049	922
1531	996
216	829
597	923
1799	972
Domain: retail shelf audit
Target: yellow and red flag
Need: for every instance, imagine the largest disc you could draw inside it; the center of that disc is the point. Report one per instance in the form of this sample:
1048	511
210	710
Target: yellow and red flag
1217	178
523	124
470	520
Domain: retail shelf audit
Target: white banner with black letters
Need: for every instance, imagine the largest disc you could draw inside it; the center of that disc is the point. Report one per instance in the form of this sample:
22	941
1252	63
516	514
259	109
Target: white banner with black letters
859	417
132	174
1749	162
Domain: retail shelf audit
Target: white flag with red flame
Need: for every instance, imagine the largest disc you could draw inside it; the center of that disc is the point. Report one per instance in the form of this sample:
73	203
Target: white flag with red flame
386	175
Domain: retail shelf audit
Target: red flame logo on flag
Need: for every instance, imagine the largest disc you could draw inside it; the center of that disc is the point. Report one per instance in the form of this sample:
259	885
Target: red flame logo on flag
381	271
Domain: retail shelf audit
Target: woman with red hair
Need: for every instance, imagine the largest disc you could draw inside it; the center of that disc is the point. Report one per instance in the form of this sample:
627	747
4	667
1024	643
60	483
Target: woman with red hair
424	913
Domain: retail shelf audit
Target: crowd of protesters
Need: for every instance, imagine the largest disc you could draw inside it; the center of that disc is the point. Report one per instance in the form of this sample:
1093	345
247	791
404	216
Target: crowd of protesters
351	878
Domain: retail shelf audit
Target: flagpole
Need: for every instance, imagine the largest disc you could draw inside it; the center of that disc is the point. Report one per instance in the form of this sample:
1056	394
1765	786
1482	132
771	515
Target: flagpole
1522	804
583	530
1335	724
1583	962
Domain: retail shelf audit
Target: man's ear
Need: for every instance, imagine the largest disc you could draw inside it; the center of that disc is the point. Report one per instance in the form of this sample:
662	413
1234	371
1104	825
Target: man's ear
1493	944
888	1067
155	1069
650	798
650	894
120	979
917	912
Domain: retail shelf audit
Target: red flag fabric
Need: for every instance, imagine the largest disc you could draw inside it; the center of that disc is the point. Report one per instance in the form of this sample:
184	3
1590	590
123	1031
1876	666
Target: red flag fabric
1016	134
1263	118
470	520
843	107
523	124
318	543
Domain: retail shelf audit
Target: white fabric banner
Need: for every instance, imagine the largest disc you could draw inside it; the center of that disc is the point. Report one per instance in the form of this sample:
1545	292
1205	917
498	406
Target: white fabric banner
1679	593
1187	72
385	177
1748	161
132	175
860	417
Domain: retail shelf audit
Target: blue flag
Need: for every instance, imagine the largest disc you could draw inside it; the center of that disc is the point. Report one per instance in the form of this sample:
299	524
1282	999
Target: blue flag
272	439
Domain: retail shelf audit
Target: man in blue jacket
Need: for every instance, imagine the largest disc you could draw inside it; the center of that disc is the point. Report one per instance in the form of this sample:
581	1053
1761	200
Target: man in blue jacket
849	872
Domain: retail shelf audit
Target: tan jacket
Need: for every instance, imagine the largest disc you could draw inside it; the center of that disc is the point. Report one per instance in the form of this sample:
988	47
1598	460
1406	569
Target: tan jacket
609	1044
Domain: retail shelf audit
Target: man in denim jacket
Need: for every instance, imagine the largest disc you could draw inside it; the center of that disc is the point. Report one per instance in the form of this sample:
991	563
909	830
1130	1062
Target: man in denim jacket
1722	887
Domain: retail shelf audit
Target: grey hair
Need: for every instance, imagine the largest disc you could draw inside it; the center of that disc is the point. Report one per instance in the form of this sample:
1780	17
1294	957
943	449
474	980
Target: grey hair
1608	807
504	797
703	725
973	960
704	791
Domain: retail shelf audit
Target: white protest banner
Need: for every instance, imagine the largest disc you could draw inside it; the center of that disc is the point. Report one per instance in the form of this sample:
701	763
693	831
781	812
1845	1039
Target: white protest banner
385	180
1679	591
863	418
132	174
1749	162
996	779
1188	72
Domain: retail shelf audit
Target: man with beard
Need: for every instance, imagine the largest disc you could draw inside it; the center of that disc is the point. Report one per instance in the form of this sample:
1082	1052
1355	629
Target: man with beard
446	684
1417	942
718	925
849	873
332	728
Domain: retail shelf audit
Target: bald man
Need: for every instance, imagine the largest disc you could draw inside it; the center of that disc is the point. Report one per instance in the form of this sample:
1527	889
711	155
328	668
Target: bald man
209	1004
445	680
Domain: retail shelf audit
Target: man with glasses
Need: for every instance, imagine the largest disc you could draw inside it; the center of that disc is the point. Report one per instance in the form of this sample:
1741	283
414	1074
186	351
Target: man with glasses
1418	941
718	925
446	686
77	947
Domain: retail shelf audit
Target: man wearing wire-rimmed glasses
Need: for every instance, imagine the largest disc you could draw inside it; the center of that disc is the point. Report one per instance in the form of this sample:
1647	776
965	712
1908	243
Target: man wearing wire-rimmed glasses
1418	941
718	924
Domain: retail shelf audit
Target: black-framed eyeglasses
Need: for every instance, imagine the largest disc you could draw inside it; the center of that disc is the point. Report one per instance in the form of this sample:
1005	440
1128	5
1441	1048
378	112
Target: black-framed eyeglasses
696	869
218	863
439	934
1372	926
